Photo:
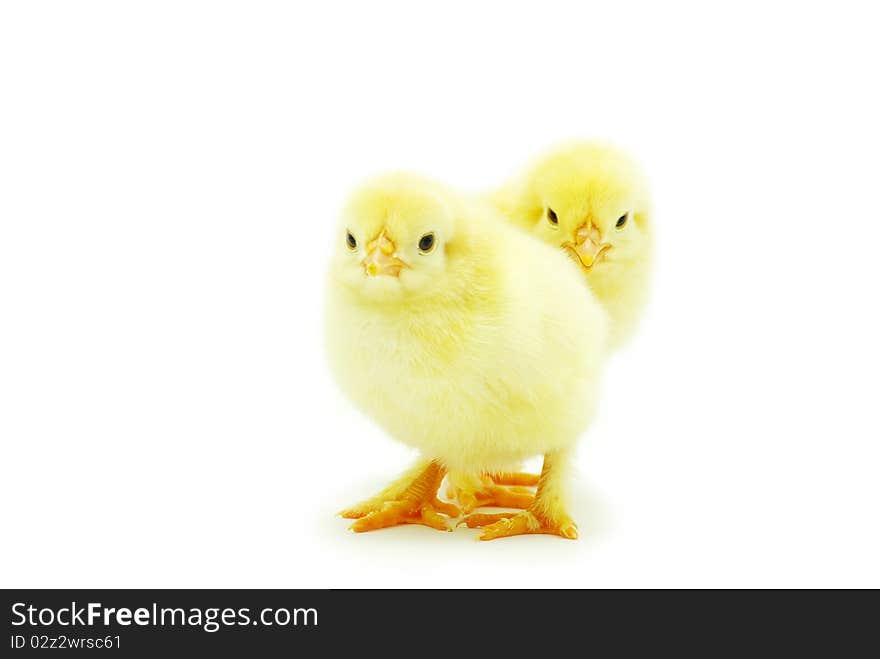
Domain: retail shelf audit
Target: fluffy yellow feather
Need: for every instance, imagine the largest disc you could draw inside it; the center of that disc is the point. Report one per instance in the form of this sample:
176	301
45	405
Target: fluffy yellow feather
464	338
591	199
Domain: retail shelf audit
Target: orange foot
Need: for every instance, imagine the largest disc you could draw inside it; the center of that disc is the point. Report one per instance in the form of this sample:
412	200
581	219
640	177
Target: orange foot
416	503
501	490
503	525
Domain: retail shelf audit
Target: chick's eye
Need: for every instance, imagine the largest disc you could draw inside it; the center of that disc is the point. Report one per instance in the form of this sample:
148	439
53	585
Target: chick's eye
426	243
551	216
622	220
350	241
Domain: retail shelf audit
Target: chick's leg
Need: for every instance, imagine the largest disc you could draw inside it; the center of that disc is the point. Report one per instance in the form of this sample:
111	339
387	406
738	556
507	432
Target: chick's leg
545	515
498	490
412	499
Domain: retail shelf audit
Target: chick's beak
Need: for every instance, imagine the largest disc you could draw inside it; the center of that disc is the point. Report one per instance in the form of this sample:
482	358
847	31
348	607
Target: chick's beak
380	258
587	246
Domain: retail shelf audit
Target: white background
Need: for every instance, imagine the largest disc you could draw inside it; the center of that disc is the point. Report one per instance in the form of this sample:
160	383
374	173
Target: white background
169	177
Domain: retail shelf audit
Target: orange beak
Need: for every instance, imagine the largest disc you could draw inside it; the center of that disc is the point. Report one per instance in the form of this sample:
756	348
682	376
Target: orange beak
380	258
587	247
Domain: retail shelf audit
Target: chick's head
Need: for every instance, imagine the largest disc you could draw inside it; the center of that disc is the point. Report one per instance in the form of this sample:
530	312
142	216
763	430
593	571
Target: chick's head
590	199
397	240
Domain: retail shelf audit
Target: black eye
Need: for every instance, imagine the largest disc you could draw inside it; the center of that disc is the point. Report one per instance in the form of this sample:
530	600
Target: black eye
352	243
622	220
551	215
426	243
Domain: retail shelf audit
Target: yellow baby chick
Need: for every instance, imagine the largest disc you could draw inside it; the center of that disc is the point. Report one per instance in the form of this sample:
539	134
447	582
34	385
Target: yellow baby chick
592	200
465	339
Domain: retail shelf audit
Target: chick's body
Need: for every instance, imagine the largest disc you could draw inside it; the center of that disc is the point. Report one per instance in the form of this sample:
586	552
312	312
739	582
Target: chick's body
474	352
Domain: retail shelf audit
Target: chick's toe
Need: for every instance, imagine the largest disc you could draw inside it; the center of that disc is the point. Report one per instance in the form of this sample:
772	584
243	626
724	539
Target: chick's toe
493	491
415	502
394	513
503	525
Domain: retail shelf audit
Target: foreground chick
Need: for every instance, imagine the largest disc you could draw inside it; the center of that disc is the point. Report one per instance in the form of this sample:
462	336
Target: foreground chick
592	200
465	339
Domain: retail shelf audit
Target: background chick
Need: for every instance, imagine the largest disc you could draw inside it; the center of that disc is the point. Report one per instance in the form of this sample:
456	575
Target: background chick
592	200
466	339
